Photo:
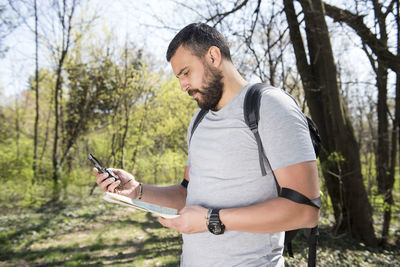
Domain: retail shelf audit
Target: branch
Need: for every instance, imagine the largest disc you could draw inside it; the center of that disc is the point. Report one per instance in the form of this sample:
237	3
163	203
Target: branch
356	23
19	14
297	41
194	10
221	16
390	8
370	58
253	25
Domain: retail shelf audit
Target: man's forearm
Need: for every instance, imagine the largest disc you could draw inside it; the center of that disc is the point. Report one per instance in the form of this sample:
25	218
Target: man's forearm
173	196
275	215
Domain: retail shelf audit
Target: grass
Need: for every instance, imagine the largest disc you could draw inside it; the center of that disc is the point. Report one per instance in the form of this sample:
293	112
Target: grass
84	230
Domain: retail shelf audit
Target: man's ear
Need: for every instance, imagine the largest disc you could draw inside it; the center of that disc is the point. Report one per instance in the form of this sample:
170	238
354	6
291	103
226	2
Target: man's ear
214	57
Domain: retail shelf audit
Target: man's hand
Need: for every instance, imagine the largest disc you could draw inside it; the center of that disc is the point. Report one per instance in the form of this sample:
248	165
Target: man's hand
192	219
129	185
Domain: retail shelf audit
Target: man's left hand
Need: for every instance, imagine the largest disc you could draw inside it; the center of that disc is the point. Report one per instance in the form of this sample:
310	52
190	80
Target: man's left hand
192	219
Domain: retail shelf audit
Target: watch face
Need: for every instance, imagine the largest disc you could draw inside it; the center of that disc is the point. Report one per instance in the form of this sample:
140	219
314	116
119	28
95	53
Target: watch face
216	228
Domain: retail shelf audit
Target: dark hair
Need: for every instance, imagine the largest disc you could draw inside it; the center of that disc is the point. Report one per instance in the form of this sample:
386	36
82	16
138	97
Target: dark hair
199	37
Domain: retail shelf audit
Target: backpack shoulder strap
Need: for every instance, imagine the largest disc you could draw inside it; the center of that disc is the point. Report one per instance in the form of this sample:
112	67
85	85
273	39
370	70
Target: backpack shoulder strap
197	121
251	110
312	246
251	105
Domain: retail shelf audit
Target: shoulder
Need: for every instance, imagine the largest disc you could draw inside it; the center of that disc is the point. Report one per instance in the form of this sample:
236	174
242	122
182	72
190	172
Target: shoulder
277	103
273	96
284	130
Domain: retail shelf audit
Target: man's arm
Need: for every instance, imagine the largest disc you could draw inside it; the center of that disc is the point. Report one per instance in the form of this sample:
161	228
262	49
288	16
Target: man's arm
275	215
173	196
279	214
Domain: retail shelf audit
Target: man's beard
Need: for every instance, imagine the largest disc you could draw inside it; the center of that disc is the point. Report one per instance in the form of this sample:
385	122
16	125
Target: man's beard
211	93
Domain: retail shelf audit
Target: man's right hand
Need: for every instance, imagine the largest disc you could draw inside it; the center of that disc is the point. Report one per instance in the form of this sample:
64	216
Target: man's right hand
130	187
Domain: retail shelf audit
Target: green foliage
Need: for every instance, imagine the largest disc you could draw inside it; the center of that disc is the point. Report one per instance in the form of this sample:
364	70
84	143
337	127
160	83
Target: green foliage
116	109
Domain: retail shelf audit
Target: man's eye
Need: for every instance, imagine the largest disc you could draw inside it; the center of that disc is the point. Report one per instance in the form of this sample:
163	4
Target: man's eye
186	73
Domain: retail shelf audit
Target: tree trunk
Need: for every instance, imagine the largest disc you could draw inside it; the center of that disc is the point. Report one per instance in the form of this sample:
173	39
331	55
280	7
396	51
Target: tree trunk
389	182
383	162
383	168
340	156
56	170
17	129
113	153
125	134
46	134
35	138
65	17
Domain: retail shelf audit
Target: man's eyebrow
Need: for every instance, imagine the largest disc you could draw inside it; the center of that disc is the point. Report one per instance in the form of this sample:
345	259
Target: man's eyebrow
180	72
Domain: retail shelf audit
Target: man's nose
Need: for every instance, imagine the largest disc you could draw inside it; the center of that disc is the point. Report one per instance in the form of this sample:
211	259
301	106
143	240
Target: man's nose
184	85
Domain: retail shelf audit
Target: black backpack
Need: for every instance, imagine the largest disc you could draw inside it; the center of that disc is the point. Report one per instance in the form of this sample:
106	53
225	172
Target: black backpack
251	115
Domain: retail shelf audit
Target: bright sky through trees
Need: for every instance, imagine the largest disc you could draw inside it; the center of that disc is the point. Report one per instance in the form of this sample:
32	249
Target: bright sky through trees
146	24
134	21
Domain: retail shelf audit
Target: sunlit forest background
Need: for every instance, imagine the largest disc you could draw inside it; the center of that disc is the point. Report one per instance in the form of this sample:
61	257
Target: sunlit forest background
87	76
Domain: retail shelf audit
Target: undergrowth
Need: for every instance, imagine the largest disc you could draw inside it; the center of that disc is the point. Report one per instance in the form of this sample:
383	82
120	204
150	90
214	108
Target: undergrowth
84	230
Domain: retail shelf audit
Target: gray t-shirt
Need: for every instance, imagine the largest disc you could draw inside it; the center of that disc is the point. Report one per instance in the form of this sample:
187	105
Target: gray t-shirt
225	173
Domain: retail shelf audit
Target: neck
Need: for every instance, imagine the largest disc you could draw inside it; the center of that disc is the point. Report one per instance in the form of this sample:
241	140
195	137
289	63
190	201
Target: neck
233	83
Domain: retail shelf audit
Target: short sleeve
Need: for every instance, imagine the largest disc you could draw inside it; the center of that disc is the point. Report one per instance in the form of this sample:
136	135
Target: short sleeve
284	130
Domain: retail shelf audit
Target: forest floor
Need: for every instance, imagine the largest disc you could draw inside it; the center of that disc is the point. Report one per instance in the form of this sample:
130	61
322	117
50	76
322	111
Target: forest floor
84	230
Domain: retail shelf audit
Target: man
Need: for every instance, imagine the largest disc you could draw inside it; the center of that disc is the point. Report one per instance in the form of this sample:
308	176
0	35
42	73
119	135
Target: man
230	214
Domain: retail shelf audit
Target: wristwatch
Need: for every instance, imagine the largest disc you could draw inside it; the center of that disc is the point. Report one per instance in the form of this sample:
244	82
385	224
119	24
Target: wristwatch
214	224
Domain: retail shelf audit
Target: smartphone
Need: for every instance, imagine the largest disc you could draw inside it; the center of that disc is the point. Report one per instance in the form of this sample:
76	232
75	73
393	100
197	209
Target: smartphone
101	168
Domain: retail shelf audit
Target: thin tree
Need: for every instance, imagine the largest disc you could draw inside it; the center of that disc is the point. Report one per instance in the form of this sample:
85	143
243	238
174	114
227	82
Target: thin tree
389	183
35	138
65	16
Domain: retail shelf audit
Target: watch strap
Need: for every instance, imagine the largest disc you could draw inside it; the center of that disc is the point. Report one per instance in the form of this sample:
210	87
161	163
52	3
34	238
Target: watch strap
214	215
215	226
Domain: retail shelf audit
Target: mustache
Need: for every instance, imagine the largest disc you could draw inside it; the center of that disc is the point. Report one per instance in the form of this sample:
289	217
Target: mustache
193	91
